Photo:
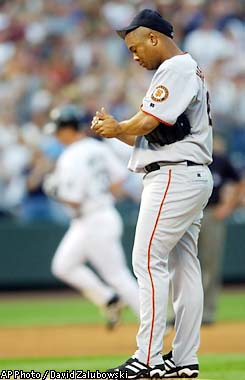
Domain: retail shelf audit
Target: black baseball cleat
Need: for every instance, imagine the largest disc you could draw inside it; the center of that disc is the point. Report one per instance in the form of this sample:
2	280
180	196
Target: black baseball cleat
112	312
173	371
134	369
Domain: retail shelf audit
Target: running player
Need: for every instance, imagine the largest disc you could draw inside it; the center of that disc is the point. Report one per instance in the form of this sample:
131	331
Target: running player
85	176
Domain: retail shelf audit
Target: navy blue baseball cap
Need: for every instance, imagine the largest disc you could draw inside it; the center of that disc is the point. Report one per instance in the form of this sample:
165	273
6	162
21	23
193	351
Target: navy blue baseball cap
149	19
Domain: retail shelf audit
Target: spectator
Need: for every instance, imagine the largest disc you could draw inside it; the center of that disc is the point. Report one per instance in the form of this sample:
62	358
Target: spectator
56	52
14	157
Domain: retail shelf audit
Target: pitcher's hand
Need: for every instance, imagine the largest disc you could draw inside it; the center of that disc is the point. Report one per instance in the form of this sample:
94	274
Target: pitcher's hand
105	125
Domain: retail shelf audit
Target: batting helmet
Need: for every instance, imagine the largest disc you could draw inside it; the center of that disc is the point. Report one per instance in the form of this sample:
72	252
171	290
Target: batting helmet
68	115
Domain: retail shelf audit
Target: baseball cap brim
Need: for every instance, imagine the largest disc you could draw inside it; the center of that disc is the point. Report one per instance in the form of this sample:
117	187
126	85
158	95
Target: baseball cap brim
123	32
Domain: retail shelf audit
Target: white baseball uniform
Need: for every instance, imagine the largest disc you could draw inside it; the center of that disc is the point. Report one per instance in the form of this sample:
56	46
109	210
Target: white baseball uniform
83	175
171	210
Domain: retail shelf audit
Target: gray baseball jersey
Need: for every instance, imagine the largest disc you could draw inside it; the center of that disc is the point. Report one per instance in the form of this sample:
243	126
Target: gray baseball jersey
177	86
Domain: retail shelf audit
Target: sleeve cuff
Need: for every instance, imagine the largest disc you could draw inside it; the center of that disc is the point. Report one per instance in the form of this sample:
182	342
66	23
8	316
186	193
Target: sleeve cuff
160	120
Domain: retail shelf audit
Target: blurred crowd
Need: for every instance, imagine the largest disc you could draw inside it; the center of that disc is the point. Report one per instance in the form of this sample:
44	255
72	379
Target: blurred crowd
66	51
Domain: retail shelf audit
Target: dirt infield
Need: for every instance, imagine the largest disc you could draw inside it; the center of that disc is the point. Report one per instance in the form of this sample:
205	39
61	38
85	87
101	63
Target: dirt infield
83	339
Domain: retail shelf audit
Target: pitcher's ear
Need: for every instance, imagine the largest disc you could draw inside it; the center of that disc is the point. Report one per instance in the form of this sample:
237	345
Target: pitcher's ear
153	39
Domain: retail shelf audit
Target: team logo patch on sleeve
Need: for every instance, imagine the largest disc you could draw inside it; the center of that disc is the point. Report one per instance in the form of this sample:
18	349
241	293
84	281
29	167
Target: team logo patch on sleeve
160	94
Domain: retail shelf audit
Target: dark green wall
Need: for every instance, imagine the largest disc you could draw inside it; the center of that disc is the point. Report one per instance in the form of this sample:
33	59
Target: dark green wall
26	253
234	258
27	250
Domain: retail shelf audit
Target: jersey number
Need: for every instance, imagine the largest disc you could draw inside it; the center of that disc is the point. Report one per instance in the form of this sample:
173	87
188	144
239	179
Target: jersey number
210	122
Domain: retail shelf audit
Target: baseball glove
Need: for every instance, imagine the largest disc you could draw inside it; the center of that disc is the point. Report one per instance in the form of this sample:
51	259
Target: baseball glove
165	135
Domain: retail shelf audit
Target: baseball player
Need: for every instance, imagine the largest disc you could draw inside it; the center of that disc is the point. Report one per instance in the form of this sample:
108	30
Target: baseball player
172	138
220	206
83	179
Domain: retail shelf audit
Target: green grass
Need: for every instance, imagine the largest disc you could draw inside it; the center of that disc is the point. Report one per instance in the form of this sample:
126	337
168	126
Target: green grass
52	312
222	366
213	367
231	306
61	311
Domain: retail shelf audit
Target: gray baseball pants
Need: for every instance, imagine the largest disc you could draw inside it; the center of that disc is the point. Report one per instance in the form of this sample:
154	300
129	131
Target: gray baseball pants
165	248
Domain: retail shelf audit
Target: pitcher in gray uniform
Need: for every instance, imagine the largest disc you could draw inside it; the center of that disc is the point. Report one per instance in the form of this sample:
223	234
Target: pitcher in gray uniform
172	139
